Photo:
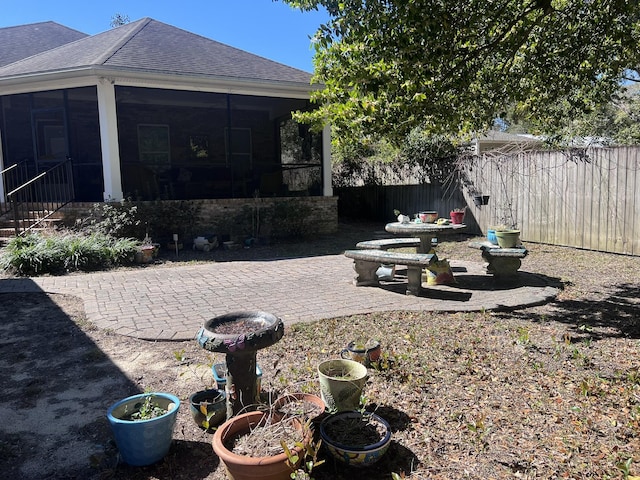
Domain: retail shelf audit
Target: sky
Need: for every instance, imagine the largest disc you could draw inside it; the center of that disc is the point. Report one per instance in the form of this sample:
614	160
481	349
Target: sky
270	29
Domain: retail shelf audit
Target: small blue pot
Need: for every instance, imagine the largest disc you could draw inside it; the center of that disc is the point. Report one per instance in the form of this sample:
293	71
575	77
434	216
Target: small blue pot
146	441
491	236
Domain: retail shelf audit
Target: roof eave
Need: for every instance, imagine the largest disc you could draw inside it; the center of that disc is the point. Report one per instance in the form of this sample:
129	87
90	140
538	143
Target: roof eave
70	78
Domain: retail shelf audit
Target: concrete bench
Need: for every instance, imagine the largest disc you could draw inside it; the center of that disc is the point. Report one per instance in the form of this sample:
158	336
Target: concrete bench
366	263
503	262
387	243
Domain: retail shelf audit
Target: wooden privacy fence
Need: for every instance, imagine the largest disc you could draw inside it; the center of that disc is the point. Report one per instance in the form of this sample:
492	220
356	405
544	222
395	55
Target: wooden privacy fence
580	198
584	198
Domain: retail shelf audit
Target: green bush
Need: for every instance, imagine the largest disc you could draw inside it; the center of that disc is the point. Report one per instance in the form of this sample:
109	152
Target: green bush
61	252
127	219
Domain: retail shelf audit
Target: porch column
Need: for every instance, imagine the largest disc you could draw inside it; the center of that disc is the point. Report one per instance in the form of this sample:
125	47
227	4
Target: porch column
109	140
327	187
2	192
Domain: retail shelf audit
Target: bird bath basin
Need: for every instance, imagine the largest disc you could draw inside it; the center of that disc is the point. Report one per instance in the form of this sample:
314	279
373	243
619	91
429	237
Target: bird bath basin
239	335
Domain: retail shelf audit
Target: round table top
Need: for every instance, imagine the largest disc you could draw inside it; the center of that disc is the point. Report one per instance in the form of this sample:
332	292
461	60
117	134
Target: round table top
417	229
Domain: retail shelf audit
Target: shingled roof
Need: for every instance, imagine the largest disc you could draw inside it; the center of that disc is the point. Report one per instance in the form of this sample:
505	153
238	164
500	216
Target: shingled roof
17	43
154	47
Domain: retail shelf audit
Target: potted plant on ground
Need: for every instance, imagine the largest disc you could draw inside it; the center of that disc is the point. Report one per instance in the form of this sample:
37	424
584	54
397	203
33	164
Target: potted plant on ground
250	445
341	383
143	426
357	439
208	408
304	405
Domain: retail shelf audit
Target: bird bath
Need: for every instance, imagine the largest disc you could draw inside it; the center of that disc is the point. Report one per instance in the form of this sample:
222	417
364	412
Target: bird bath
240	335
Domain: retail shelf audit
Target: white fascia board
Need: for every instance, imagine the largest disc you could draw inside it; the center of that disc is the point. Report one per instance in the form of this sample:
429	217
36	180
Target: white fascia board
90	76
40	83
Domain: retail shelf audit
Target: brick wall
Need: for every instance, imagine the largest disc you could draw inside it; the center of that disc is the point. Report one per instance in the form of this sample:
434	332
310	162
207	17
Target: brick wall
307	215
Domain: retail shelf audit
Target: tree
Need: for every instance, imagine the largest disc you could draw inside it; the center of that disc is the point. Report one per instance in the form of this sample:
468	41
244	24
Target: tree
615	123
118	20
453	66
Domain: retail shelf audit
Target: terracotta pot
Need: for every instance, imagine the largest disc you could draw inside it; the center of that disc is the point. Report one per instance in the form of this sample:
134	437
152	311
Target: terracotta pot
242	467
309	404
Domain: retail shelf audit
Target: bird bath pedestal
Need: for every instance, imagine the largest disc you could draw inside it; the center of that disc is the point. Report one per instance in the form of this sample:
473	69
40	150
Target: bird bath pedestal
240	335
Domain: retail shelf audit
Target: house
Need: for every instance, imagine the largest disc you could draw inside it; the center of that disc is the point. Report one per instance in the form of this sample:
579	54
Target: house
150	111
504	143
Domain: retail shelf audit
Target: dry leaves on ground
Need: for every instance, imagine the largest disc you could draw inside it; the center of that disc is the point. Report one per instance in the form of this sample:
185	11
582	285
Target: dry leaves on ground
547	392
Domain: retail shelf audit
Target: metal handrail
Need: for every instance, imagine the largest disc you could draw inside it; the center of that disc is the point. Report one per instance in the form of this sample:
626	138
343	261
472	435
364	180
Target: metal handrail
11	176
40	197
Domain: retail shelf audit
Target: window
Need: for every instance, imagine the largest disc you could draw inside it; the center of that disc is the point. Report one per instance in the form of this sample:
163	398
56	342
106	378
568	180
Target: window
237	142
153	144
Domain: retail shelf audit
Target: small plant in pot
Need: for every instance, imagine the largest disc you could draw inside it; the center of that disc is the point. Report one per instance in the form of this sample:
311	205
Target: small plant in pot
143	426
208	408
356	438
457	215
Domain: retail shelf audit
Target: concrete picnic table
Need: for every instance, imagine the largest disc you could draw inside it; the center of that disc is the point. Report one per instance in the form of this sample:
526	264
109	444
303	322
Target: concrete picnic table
424	231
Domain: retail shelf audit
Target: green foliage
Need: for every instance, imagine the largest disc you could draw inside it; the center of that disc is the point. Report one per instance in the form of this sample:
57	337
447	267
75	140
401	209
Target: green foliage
62	252
147	410
431	158
615	123
116	219
387	66
436	155
309	459
289	218
159	219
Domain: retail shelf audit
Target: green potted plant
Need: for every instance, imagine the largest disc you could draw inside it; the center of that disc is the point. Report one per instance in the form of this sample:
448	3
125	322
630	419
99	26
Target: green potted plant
143	426
208	408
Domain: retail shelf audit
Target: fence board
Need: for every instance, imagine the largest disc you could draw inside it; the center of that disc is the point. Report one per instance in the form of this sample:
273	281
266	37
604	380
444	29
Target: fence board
588	199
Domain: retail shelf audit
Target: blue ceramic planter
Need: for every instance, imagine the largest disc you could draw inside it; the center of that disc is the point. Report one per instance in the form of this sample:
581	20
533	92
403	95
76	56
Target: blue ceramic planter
354	456
146	441
491	236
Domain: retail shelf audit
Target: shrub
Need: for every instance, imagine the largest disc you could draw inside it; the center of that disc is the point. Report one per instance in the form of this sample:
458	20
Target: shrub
61	252
129	219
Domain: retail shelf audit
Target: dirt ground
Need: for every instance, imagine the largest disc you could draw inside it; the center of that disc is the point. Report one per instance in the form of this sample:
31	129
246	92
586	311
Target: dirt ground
547	392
